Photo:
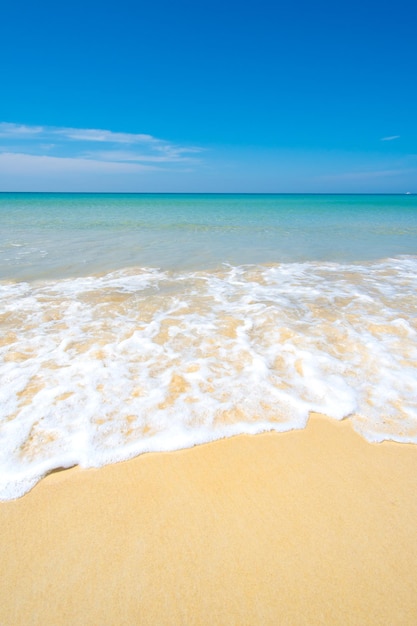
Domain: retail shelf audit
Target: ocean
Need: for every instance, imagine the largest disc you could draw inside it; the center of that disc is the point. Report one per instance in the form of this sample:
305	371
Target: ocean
150	322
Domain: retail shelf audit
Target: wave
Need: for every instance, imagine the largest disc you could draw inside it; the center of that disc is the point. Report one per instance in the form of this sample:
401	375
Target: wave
102	368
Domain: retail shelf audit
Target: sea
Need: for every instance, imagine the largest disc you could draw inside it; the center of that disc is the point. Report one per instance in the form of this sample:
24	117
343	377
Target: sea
132	323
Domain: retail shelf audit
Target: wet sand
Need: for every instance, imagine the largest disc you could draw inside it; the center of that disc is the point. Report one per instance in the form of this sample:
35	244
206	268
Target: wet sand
302	528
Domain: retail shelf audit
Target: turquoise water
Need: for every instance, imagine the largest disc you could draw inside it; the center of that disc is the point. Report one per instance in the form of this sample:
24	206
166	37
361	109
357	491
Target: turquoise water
135	323
61	235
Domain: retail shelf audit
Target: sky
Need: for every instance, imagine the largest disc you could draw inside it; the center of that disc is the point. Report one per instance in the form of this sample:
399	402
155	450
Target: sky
219	96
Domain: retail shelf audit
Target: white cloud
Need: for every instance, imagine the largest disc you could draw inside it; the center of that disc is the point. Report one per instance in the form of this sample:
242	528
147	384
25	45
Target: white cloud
16	163
19	130
92	134
390	138
163	156
89	144
26	172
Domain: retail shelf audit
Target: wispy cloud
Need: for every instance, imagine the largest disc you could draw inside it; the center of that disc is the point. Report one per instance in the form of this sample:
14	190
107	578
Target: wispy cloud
130	156
26	172
14	162
106	136
89	144
19	131
390	138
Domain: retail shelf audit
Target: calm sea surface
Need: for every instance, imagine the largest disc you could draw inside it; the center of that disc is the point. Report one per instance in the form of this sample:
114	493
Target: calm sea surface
144	322
62	235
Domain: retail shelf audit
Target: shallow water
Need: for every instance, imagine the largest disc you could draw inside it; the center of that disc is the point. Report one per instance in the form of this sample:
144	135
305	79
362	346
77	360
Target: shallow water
67	235
96	368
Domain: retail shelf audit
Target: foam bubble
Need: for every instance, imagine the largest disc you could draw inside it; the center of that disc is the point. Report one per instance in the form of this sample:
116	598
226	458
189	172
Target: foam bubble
99	369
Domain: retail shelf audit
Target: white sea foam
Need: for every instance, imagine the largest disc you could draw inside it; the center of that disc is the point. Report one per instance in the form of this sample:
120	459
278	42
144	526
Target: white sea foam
98	369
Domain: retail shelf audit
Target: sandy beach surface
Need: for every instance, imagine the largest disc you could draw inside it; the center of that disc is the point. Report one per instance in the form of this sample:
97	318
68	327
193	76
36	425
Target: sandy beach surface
306	527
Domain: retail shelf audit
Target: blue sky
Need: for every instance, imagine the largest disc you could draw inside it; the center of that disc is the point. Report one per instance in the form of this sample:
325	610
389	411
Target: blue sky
209	96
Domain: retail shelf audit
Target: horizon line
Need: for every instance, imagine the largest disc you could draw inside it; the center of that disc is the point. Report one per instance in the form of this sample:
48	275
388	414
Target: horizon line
221	193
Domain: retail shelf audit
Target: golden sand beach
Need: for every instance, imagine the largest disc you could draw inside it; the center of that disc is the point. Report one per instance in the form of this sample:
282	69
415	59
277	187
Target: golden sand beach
301	528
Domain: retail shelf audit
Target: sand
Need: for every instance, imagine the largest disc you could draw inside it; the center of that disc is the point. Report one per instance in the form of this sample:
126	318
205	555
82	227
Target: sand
309	527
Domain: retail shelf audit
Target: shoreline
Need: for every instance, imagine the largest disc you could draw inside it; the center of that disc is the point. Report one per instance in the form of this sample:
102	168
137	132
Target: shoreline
314	526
